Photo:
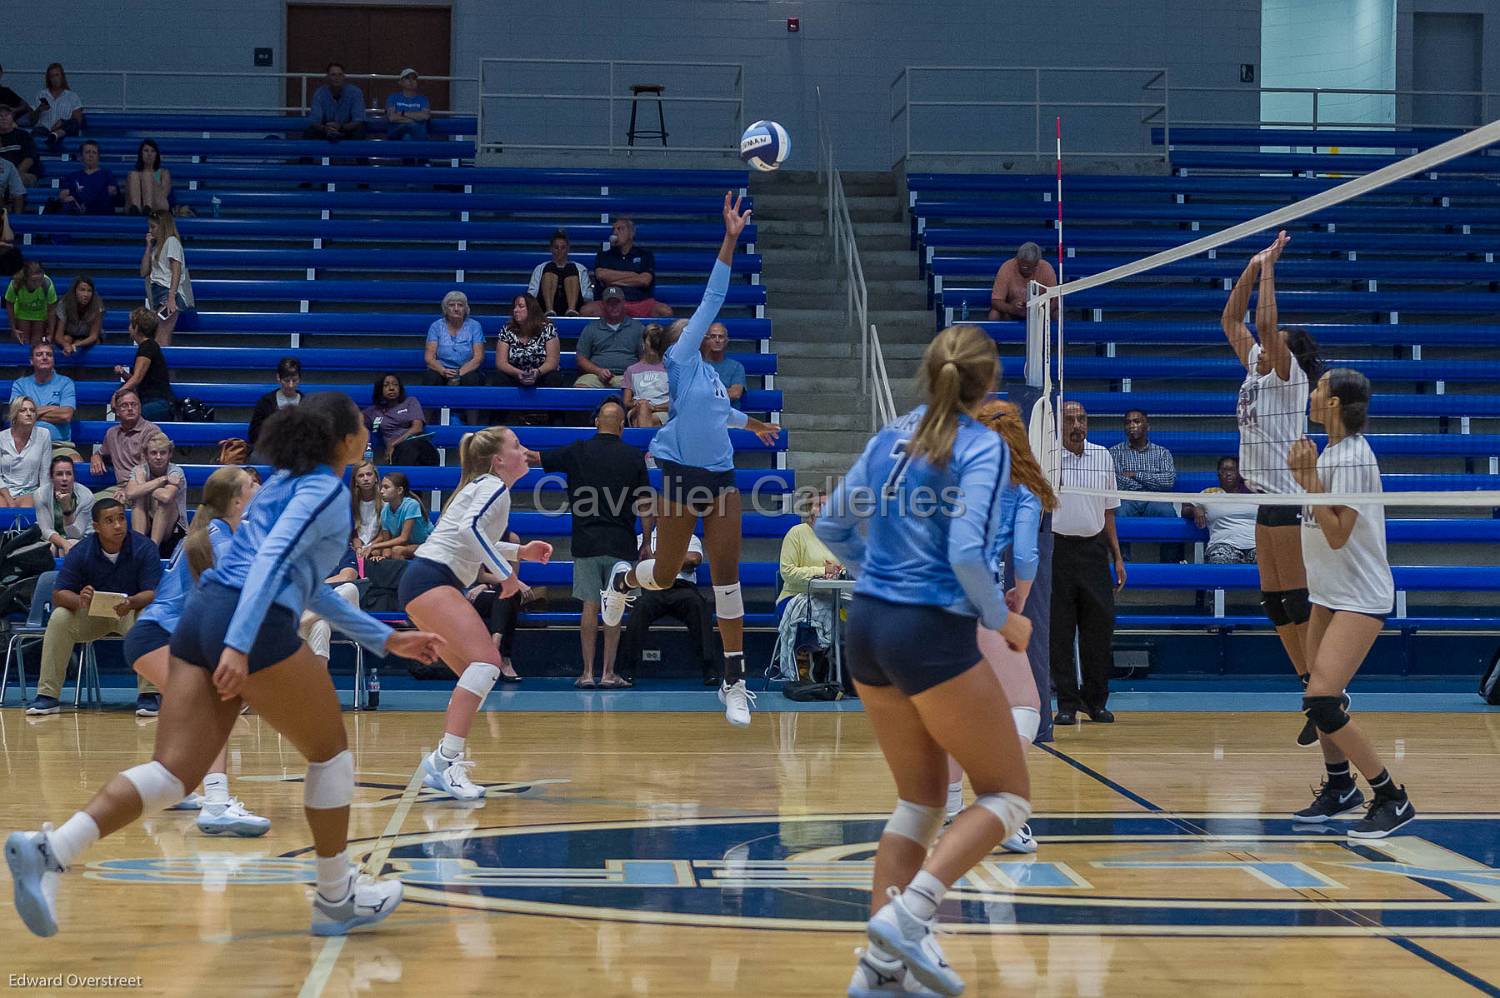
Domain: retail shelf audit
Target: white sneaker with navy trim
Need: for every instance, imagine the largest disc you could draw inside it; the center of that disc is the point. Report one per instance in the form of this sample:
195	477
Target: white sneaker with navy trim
35	870
896	930
614	598
365	902
874	978
232	819
450	776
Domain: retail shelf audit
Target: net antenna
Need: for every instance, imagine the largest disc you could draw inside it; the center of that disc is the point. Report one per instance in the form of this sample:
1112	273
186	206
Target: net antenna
1044	363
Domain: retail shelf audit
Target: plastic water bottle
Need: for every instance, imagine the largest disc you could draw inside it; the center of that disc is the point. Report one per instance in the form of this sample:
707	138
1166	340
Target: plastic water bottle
372	690
965	317
217	204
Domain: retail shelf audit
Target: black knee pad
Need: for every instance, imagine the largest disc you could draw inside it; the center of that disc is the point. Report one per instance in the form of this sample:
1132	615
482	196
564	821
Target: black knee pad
1298	607
1275	608
1326	713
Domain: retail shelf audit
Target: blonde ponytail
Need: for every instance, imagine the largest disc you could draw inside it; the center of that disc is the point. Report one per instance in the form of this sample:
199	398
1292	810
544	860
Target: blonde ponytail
477	450
958	370
219	493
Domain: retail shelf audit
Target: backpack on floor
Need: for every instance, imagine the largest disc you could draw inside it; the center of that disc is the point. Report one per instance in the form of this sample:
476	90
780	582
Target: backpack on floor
1489	682
23	558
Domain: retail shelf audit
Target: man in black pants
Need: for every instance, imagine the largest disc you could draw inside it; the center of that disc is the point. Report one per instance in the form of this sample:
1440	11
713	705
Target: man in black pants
684	602
1083	596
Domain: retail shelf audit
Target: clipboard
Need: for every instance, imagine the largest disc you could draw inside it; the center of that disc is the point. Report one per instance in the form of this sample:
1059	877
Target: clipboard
103	604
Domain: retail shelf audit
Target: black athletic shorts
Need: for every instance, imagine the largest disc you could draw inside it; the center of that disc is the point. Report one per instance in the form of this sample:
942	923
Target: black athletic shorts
912	647
143	638
423	576
1279	516
698	489
199	639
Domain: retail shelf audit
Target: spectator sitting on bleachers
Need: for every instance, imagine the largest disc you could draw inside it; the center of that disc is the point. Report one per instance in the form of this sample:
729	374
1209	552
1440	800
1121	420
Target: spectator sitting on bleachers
403	523
455	345
19	148
55	395
393	418
24	454
287	392
91	190
364	504
562	285
804	557
730	371
147	374
13	101
148	187
12	195
1141	466
64	506
164	265
113	560
1231	526
608	344
157	495
1008	295
407	112
58	111
684	602
124	443
647	388
632	269
528	352
30	297
338	109
78	319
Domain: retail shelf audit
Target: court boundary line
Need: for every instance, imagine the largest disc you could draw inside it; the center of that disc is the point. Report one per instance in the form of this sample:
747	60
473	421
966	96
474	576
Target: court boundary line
1337	908
321	971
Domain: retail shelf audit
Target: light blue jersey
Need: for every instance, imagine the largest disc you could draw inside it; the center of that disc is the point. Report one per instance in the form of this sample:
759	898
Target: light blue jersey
292	537
1020	523
701	415
912	533
177	581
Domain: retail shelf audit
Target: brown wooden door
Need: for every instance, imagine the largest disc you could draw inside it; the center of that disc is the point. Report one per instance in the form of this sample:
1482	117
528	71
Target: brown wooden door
369	39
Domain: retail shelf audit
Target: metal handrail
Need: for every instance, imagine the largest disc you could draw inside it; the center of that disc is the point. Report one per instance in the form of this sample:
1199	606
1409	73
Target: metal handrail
1486	98
124	77
608	98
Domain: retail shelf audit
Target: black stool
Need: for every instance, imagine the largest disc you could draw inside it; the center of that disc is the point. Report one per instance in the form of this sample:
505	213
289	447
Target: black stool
651	90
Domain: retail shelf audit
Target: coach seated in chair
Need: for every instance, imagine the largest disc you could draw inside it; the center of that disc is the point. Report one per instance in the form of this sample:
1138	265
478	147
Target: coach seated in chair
684	602
115	566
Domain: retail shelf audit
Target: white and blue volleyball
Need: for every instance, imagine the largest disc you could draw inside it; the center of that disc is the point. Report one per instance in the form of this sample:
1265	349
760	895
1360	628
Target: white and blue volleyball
765	145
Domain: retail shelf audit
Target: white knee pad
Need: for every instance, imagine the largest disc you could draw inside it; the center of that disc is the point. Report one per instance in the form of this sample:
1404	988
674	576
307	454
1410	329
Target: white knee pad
329	784
728	605
1028	720
155	783
917	822
479	678
645	575
1009	808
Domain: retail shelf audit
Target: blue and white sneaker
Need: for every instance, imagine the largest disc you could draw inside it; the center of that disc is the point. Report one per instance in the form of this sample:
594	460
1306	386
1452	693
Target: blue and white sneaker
896	930
192	802
1021	843
365	902
875	978
615	597
34	870
232	819
450	776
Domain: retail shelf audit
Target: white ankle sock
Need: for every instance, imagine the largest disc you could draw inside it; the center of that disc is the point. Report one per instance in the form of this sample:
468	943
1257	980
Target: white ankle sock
923	895
216	788
955	797
333	873
452	746
76	834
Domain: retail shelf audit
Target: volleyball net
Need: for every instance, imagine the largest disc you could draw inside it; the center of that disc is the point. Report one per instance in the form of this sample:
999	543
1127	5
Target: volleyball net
1212	347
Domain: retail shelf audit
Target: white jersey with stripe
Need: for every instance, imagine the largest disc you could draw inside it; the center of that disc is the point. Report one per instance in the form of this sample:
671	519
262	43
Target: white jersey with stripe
1272	415
467	536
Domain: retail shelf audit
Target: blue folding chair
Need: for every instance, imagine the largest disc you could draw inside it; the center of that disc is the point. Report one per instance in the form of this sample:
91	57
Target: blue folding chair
33	629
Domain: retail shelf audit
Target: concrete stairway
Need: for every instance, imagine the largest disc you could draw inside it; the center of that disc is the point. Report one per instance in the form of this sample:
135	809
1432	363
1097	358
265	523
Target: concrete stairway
816	344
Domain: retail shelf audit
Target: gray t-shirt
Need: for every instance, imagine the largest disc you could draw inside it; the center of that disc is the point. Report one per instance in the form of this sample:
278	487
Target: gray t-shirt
612	349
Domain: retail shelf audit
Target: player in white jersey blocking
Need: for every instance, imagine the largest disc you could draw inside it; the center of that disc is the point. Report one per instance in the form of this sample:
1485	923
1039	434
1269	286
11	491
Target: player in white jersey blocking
1272	415
465	540
1352	592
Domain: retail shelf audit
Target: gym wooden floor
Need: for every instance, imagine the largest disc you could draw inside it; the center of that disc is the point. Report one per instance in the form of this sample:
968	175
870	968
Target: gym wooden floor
669	855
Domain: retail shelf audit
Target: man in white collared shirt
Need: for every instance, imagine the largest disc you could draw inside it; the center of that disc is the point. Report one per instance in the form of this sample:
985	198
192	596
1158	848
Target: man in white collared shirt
1083	595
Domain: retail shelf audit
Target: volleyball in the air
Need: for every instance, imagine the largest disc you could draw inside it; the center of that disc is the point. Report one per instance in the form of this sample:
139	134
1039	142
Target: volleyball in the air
765	145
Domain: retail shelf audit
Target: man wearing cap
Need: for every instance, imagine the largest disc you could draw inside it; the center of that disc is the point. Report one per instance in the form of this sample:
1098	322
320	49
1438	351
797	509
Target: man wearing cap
407	113
609	344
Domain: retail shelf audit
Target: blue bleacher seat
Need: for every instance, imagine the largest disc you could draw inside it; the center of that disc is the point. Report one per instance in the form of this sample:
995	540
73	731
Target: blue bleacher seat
1003	237
1086	185
1383	444
177	146
1208	333
1167	213
1470	530
1224	367
1137	298
1341	163
1405	139
1290	270
1223	403
365	324
153	123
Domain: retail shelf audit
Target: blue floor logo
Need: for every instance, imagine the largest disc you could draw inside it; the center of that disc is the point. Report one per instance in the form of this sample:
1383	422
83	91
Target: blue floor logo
1146	873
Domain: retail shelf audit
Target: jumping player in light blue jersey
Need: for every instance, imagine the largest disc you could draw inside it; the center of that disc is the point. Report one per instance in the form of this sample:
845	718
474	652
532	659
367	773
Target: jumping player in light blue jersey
237	643
917	520
225	495
696	458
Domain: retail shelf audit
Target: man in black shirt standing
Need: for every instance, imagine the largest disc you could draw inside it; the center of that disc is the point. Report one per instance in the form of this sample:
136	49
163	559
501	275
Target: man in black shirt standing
630	268
607	487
